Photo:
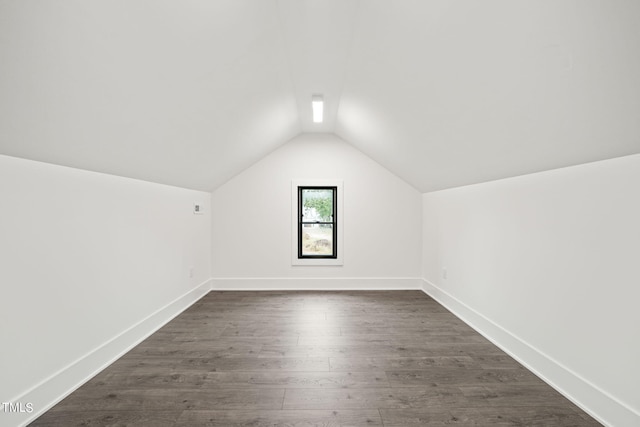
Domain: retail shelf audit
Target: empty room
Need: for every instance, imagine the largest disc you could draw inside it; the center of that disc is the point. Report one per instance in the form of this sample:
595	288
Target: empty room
319	213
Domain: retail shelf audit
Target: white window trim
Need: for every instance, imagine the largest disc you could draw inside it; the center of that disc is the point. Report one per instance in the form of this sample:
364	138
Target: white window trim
339	260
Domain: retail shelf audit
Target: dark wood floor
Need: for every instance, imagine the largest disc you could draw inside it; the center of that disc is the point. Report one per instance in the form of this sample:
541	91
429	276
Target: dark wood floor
382	358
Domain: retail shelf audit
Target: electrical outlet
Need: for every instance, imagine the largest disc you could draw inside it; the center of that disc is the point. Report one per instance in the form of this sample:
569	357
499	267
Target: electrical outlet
197	209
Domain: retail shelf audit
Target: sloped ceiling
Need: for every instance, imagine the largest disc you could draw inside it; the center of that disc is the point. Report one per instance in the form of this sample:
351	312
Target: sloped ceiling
443	93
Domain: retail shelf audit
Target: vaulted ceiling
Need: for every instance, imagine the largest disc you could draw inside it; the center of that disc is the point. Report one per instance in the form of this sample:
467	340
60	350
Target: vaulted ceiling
441	92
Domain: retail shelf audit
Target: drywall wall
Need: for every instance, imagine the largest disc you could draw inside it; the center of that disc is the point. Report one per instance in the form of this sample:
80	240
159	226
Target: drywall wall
252	221
87	259
547	266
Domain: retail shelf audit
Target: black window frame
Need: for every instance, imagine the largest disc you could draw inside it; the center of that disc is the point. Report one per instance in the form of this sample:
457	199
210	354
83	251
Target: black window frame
334	221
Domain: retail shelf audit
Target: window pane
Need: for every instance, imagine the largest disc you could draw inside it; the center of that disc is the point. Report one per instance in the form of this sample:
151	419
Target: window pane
317	205
317	239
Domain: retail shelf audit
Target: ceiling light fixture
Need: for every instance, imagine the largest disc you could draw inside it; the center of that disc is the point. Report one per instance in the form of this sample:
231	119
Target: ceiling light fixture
317	105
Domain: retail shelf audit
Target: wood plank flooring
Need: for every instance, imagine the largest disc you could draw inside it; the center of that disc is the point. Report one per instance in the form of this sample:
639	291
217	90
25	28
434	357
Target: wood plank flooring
383	358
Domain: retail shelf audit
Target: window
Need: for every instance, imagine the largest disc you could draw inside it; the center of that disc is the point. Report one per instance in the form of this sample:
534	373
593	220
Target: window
317	235
317	222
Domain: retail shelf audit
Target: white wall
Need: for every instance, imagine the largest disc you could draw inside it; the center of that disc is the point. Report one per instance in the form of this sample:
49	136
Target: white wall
86	257
252	220
547	266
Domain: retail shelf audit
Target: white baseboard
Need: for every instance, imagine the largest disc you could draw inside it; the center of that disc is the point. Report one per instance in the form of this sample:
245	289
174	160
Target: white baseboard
62	383
314	283
596	402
